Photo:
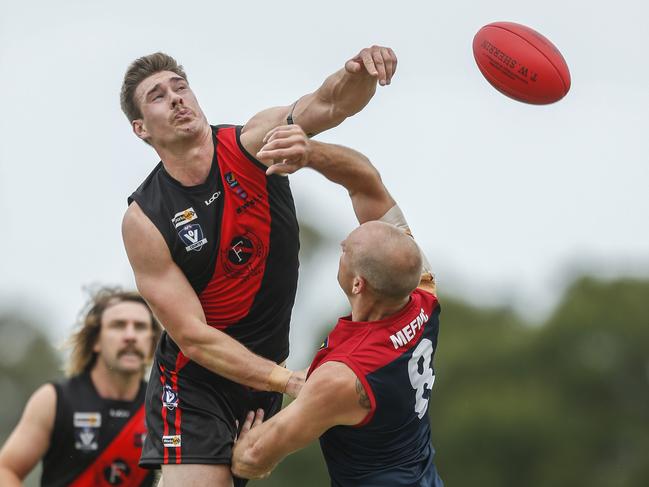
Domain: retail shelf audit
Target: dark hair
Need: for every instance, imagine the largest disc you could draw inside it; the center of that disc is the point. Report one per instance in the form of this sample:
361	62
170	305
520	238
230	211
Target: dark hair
82	342
139	70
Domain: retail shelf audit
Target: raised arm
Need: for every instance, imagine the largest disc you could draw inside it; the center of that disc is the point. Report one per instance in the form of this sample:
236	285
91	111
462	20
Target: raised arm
330	397
343	94
30	440
341	165
175	304
287	149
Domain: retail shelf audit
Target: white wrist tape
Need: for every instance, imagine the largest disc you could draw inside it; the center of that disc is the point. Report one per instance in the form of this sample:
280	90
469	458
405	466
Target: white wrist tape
394	216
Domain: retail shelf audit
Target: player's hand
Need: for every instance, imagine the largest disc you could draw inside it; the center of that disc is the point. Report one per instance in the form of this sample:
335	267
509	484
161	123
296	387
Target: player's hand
377	61
240	467
295	383
286	149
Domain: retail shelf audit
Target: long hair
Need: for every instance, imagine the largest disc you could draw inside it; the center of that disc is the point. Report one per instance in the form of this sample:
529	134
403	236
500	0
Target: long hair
82	341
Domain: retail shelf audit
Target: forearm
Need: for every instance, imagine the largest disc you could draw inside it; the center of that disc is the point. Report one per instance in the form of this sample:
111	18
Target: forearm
343	166
347	93
266	445
341	95
223	355
259	452
354	172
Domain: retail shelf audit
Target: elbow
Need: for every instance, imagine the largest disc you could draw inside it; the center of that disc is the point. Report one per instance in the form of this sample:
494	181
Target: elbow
189	345
8	477
367	180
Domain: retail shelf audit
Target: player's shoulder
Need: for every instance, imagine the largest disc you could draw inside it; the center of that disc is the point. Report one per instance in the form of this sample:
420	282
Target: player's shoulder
334	372
136	220
42	401
150	181
142	239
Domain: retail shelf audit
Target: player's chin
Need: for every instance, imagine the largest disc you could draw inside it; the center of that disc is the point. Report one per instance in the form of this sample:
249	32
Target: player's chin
188	128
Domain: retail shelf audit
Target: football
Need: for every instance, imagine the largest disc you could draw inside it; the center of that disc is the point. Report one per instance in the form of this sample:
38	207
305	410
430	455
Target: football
521	63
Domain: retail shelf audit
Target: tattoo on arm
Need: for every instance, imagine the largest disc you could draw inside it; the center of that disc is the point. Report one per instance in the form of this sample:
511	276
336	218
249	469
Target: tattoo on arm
363	400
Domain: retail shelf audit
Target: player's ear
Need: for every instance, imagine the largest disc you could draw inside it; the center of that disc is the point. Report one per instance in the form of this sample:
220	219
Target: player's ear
359	284
96	348
139	129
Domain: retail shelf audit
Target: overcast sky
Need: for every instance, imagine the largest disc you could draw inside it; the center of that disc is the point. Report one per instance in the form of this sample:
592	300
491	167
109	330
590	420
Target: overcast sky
508	200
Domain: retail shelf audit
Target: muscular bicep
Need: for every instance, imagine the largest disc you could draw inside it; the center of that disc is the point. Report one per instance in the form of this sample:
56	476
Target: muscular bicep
160	281
254	131
30	440
312	112
329	398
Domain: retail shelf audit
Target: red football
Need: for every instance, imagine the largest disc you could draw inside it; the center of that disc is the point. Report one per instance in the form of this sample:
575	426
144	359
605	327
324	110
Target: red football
521	63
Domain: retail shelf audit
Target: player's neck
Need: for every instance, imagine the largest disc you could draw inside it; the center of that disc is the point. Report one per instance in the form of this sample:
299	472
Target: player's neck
371	308
189	161
114	385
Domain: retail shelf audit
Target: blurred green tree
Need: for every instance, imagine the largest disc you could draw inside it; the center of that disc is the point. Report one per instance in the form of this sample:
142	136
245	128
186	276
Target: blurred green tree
562	404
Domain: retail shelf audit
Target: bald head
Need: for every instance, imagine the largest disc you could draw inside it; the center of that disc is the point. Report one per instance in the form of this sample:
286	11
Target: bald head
387	258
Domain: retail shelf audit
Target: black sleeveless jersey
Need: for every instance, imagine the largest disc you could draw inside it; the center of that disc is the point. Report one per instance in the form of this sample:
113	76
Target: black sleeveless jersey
95	442
235	237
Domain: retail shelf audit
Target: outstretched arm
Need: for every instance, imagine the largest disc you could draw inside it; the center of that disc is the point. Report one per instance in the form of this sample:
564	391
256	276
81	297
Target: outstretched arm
287	149
30	440
175	304
343	94
330	397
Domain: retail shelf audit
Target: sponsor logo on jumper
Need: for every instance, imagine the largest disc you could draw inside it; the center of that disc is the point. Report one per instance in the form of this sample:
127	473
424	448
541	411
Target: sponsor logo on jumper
324	344
192	237
249	203
85	439
171	441
86	420
169	398
408	332
243	256
183	217
138	439
234	186
214	197
117	472
119	413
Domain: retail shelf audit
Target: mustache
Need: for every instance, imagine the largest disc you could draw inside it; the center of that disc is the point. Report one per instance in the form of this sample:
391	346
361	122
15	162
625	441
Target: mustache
130	350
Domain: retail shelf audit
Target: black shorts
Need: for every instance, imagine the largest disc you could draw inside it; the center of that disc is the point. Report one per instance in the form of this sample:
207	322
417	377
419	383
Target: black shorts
191	413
